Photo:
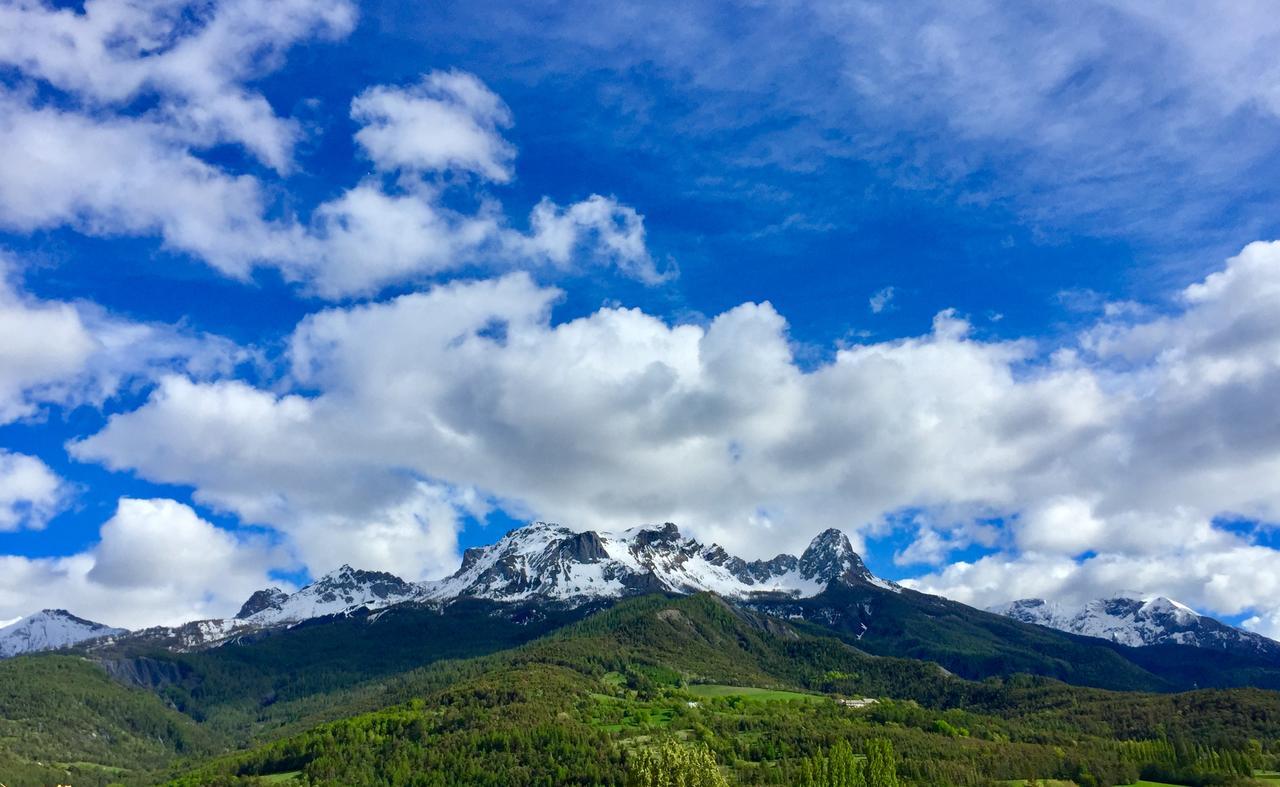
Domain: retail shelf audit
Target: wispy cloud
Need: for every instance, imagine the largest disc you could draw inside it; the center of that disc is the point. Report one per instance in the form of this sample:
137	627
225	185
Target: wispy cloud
881	300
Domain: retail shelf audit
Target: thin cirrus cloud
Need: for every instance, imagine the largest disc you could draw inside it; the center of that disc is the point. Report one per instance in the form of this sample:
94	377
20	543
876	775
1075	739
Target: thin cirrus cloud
1127	444
1137	121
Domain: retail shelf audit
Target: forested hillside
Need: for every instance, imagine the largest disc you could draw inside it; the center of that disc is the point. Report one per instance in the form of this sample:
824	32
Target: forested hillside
631	694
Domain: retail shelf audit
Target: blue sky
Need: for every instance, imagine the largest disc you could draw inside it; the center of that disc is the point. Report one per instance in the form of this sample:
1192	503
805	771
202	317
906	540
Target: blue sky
323	282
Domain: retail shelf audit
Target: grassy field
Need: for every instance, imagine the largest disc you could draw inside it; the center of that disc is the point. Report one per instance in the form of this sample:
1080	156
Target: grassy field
1057	783
280	778
710	690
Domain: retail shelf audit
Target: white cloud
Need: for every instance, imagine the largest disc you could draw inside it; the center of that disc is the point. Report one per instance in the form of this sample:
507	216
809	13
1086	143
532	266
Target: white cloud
157	563
195	57
1061	525
1230	579
45	343
1123	445
1130	119
367	238
30	493
612	232
125	177
334	509
449	121
108	174
76	353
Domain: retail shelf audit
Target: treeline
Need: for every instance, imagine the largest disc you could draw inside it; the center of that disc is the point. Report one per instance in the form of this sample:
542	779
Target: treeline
540	724
63	719
595	699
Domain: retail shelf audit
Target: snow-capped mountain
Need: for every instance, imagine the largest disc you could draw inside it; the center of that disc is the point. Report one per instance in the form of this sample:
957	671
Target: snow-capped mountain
336	593
50	629
540	563
340	592
1136	620
548	561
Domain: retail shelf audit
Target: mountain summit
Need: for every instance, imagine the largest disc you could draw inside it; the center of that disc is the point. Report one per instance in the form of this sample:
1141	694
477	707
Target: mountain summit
50	629
553	562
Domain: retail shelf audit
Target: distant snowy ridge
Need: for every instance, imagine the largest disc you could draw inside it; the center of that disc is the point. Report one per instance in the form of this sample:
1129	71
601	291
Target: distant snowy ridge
50	629
1135	620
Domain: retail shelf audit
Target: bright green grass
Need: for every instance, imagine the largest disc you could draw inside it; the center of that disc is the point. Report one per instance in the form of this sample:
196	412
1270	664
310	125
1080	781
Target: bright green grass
1056	783
277	778
614	680
710	690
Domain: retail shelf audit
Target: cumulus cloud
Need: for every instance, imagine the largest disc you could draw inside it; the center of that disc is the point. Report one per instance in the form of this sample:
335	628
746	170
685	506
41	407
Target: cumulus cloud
157	562
399	228
45	344
30	493
611	232
123	176
449	121
1120	445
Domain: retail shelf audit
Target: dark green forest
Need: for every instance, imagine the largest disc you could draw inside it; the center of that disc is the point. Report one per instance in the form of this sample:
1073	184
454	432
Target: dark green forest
651	691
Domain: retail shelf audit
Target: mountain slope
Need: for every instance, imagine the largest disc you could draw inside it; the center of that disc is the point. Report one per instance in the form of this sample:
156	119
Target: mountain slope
569	709
545	569
63	720
50	629
1137	620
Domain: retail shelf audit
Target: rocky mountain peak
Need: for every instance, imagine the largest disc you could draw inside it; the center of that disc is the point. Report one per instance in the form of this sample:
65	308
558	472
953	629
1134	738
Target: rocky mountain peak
648	535
380	583
260	600
830	557
585	547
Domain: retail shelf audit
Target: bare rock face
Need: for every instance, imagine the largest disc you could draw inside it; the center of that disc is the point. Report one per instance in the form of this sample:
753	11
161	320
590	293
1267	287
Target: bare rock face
582	548
262	599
